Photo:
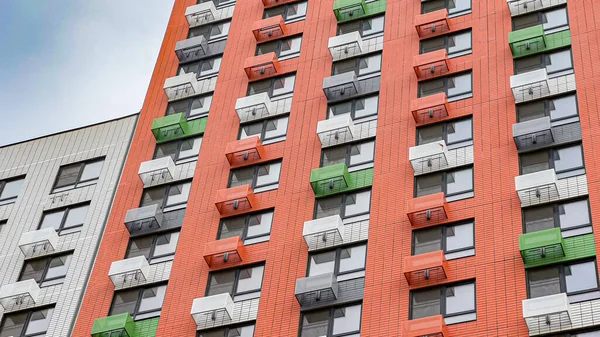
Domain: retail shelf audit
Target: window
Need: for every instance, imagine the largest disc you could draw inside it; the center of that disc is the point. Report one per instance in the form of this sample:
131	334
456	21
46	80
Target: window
448	300
140	303
180	151
258	176
240	331
66	220
9	189
290	12
457	44
203	68
78	175
342	321
455	132
166	196
26	323
211	31
450	182
269	130
156	248
250	227
556	62
586	333
456	87
455	7
236	282
346	205
219	3
195	107
365	27
360	65
339	261
557	108
569	278
560	159
449	238
357	108
565	215
353	154
283	48
553	20
273	86
46	271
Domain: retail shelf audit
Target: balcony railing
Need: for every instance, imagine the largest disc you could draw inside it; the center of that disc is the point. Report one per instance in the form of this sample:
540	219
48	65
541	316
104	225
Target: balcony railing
254	107
433	326
346	45
244	151
191	49
343	85
114	326
181	86
428	210
546	245
425	269
433	156
158	169
329	178
225	251
132	270
262	66
269	29
432	24
231	200
175	127
536	84
537	185
327	231
533	133
214	308
430	108
550	311
528	40
431	64
319	288
38	243
143	217
18	295
201	14
349	9
336	130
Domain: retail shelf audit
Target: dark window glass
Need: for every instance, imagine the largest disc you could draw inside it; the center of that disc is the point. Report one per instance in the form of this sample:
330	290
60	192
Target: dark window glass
569	278
239	331
282	48
246	226
346	205
567	215
78	175
256	176
357	108
156	248
46	271
339	261
340	321
365	27
235	281
551	19
451	132
66	220
359	65
449	238
449	182
140	303
447	300
9	189
167	195
194	107
26	323
352	154
290	12
211	31
453	86
561	159
268	130
273	87
453	6
203	68
180	150
552	62
453	43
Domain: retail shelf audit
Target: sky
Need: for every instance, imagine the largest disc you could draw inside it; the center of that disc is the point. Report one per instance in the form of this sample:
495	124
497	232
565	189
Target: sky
69	63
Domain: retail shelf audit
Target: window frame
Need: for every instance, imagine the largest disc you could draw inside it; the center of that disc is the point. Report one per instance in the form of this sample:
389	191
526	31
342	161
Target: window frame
188	111
139	300
544	62
78	181
445	130
445	86
247	218
551	157
556	214
286	8
3	183
443	288
357	61
272	85
446	38
49	259
332	310
338	250
540	18
263	131
444	237
361	22
66	211
255	175
446	4
353	103
227	328
343	205
167	187
155	237
236	280
30	313
179	143
445	180
348	152
562	277
547	101
279	43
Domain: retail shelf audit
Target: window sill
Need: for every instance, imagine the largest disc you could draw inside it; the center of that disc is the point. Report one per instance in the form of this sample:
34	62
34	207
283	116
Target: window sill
465	12
456	197
8	201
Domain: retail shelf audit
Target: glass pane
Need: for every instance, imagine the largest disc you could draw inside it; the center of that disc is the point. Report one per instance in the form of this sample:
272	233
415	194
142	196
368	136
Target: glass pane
427	240
268	174
568	158
295	11
200	31
178	193
241	177
535	162
460	298
231	227
459	181
369	65
530	111
345	66
539	218
11	189
188	68
166	244
39	321
210	67
373	26
321	263
260	224
314	324
459	42
347	319
76	216
221	282
92	171
265	48
425	303
152	298
153	196
459	131
13	324
543	282
436	43
276	128
124	301
250	130
555	18
430	134
250	279
334	155
284	85
177	107
246	331
459	85
581	276
166	150
328	206
357	203
340	109
190	148
140	247
574	214
353	258
53	220
290	46
525	21
366	107
33	270
220	30
433	5
429	184
259	87
213	333
459	237
66	176
58	267
432	87
455	6
362	153
563	107
201	106
271	12
559	61
349	27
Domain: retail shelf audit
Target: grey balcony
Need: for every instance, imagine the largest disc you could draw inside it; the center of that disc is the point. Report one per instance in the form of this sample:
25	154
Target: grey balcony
19	294
134	269
201	14
217	308
180	86
552	312
346	45
40	242
191	49
340	86
254	107
156	169
533	133
319	288
537	186
431	156
324	230
143	217
336	130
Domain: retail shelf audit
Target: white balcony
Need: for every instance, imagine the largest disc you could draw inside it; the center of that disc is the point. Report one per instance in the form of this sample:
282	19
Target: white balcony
157	169
327	231
19	294
191	49
180	86
347	45
533	133
428	157
143	217
135	269
201	14
551	312
216	308
530	85
319	288
40	242
537	186
518	7
254	107
340	86
336	130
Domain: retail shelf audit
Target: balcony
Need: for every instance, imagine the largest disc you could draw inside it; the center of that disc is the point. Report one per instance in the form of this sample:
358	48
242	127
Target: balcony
175	126
201	14
319	288
144	217
431	24
327	232
216	308
431	64
230	250
161	168
430	157
428	210
527	41
40	242
19	294
550	312
336	130
533	133
347	45
234	199
340	86
536	187
269	29
345	10
244	151
430	267
273	3
180	86
543	246
254	107
518	7
135	269
261	66
433	326
430	108
329	179
191	49
114	326
531	85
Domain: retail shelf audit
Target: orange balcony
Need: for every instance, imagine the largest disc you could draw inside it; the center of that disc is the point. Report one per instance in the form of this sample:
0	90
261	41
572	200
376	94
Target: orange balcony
226	251
428	210
269	29
433	23
430	109
433	326
431	64
273	3
429	267
261	66
244	151
235	199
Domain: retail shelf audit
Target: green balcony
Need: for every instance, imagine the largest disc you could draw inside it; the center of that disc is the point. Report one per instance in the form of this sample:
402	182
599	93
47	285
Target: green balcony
114	326
348	10
527	41
336	179
175	126
548	247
